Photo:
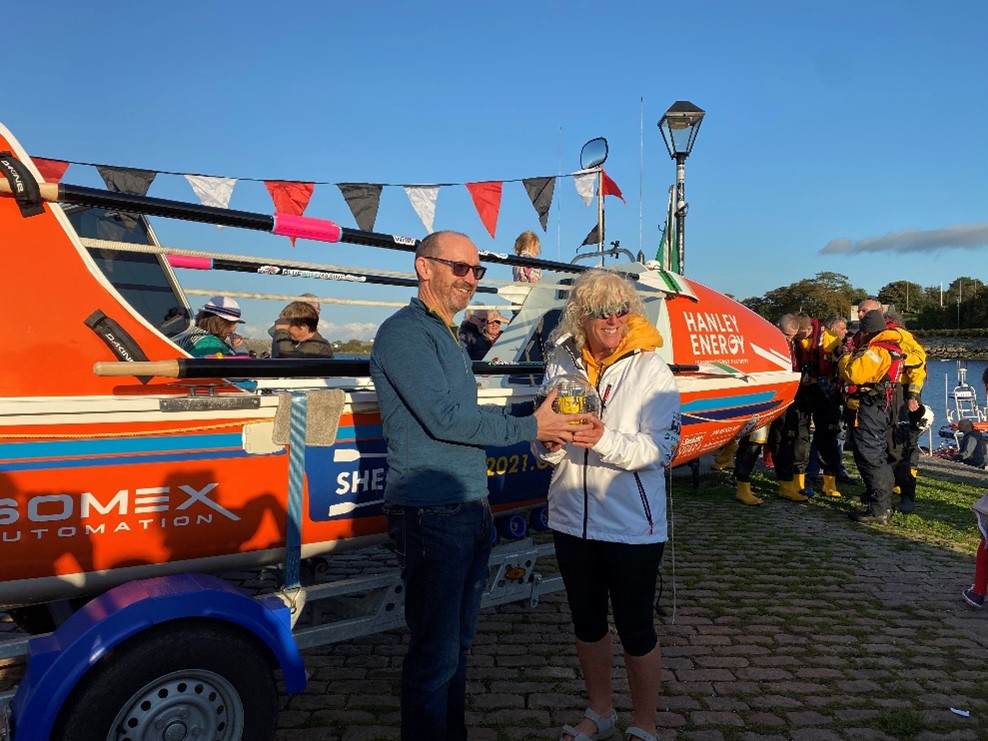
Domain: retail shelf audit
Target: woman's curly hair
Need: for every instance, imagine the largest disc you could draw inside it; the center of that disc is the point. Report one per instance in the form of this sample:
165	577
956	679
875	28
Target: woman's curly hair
596	291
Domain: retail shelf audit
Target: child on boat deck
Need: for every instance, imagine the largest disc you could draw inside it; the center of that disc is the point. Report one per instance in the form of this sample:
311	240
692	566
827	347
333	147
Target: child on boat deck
295	334
212	334
527	245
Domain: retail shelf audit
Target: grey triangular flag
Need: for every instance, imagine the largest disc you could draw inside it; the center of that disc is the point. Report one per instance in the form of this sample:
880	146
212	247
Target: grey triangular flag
593	237
363	200
127	180
540	191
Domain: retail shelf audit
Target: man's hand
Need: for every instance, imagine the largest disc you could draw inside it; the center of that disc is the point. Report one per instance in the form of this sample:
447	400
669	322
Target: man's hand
912	404
554	427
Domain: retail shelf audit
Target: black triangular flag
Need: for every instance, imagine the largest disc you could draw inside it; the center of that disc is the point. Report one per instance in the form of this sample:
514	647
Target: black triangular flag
540	191
593	237
363	200
126	180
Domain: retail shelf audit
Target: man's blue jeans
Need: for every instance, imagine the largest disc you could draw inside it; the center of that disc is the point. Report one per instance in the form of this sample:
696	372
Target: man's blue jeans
444	553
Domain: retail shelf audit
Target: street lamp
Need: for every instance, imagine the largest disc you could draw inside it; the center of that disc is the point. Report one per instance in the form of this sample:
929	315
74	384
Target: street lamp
679	126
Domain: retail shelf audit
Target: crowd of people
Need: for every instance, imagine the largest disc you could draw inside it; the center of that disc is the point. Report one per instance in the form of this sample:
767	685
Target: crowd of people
858	391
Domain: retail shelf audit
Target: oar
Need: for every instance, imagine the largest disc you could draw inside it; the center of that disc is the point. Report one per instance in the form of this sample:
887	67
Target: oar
235	367
290	368
304	227
192	262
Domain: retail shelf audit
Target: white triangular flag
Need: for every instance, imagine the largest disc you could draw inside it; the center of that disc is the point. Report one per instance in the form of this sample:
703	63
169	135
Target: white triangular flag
212	191
586	184
423	199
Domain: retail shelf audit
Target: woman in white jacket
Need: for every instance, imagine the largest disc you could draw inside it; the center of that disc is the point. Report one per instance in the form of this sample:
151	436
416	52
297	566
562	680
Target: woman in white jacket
607	496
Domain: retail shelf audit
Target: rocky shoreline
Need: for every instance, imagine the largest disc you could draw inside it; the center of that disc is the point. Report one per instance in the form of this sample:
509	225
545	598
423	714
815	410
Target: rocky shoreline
959	348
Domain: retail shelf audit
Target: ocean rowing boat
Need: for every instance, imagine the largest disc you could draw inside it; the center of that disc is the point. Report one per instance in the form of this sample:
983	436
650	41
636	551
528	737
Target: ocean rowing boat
121	458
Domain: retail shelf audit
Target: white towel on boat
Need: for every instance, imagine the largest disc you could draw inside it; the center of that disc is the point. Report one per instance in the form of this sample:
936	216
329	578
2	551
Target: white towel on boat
322	415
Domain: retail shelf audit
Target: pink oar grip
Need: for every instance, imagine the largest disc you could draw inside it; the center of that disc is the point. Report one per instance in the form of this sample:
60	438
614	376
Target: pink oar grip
320	230
191	262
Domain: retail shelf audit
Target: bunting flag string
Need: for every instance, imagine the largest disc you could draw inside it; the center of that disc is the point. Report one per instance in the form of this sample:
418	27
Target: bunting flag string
363	199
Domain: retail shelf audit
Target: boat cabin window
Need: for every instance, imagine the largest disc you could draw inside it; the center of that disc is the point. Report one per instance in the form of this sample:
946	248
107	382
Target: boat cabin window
141	278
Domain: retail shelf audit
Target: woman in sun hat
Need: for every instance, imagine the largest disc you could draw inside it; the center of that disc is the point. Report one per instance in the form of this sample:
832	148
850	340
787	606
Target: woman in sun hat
212	334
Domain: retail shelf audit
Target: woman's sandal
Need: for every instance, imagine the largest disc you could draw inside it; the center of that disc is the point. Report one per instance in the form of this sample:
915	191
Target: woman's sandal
634	733
605	727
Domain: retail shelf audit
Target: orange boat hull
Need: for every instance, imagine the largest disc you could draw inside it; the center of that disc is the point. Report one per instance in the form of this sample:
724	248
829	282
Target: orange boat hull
105	479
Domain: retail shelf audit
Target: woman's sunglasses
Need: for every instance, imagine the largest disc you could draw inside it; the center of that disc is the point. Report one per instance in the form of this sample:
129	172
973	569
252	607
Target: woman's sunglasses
460	269
619	312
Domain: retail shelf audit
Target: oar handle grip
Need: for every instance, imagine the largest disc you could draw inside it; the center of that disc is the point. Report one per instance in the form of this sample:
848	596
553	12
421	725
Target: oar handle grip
306	227
162	368
49	191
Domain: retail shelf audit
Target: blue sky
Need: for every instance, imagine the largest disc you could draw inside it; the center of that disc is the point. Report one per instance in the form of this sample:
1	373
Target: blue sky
843	136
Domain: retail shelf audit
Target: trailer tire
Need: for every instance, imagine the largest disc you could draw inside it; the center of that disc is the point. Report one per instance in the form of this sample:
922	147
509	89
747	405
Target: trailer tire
176	678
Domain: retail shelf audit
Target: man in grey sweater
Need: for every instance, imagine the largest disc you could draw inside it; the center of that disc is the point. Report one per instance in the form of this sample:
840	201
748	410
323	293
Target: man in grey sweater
436	491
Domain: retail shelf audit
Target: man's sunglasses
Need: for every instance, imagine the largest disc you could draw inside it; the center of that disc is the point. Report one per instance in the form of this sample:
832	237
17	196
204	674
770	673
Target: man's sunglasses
619	312
460	269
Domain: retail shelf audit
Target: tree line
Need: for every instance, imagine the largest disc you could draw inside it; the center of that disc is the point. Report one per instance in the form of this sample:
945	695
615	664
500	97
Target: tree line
961	305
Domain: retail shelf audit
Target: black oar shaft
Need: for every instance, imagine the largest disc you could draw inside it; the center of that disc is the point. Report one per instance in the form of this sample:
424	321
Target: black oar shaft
299	271
291	368
82	196
169	209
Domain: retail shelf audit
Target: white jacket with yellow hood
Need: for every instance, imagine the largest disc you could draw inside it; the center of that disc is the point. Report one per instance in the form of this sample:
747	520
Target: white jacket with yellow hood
616	490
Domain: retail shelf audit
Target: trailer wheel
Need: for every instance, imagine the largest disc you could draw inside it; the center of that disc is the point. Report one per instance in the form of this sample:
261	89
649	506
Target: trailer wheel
189	680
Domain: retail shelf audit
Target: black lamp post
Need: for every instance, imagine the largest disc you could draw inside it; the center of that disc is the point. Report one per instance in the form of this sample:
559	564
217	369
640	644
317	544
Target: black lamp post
679	126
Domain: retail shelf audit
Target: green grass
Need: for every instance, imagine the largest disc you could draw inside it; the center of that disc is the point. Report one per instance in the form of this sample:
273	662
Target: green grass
943	508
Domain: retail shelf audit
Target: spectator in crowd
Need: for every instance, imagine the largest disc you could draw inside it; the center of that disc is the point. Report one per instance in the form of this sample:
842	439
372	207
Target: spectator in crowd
295	333
438	516
870	376
527	245
971	446
784	430
903	442
282	324
836	327
480	330
748	449
607	499
212	334
818	403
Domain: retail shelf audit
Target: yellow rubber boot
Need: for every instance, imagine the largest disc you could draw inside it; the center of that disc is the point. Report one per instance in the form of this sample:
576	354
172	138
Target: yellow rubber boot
725	456
788	490
743	494
830	486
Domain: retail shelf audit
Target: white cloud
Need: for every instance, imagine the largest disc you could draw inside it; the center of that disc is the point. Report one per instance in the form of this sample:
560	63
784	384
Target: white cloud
968	236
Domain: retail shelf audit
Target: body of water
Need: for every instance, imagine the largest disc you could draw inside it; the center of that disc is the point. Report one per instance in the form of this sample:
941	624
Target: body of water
941	377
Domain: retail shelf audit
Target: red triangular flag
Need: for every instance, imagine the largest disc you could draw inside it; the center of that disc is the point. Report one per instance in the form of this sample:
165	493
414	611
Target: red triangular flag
51	170
289	198
487	200
608	187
